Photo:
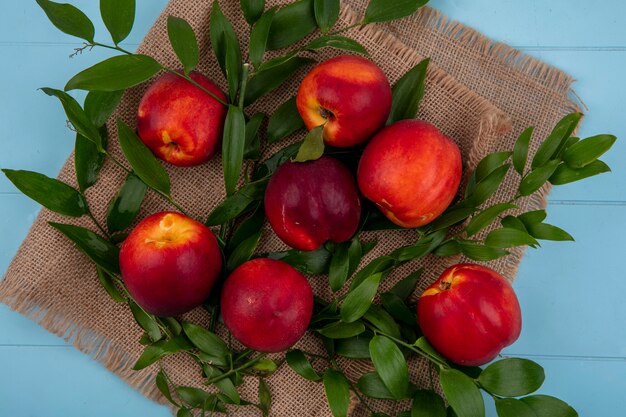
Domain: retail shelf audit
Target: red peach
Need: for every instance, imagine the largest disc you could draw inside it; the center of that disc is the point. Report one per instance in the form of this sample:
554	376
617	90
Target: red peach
169	263
470	314
267	305
411	171
180	123
350	95
309	203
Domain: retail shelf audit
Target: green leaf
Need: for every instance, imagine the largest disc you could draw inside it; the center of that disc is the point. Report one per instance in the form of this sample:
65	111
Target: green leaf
207	342
252	9
339	267
194	397
49	192
390	365
144	163
337	390
291	24
164	387
520	150
222	36
408	93
233	147
421	249
372	386
386	10
513	223
512	377
532	217
544	231
313	146
479	252
266	366
341	330
426	347
160	349
326	13
146	321
184	412
336	41
247	228
404	288
356	347
106	280
553	143
461	393
508	238
397	308
253	142
118	17
355	254
547	406
265	397
68	19
183	41
510	407
126	204
490	163
87	162
449	248
450	218
380	264
77	116
258	37
566	175
233	67
486	217
427	404
228	388
243	252
308	262
100	251
268	79
301	365
285	121
100	105
587	150
382	321
270	165
358	300
489	185
236	203
116	73
537	178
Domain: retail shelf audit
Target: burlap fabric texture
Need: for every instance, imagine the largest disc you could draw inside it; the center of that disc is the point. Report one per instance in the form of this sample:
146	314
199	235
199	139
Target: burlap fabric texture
480	93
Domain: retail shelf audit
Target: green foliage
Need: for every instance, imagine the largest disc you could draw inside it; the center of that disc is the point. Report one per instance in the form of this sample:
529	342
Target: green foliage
462	393
427	404
408	93
520	150
337	390
341	330
339	267
252	9
285	121
223	36
326	13
233	147
308	262
183	41
512	377
313	146
358	300
100	105
118	17
146	321
547	406
390	365
372	386
68	19
125	206
301	365
50	193
116	73
269	78
258	37
553	143
386	10
292	23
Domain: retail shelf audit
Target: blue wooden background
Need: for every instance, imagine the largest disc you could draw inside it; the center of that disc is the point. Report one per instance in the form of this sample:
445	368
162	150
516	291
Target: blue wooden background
572	294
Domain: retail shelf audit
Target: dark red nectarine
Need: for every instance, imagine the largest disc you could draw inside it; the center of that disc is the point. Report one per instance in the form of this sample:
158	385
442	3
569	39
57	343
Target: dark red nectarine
309	203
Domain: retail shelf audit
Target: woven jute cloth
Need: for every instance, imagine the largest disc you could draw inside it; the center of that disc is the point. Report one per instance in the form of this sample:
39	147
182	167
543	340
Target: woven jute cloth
479	93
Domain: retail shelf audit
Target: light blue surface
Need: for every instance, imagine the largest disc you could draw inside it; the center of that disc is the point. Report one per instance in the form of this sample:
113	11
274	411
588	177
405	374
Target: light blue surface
571	293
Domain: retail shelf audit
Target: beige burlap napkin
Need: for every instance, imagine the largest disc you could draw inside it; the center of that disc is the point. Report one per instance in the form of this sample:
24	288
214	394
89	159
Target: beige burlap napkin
50	282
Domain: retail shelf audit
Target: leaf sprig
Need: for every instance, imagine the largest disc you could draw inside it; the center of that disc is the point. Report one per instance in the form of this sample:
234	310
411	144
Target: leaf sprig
351	326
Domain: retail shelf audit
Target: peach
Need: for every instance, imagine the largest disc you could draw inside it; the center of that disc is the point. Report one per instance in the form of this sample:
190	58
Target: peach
180	123
350	95
169	263
267	305
309	203
411	171
470	314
